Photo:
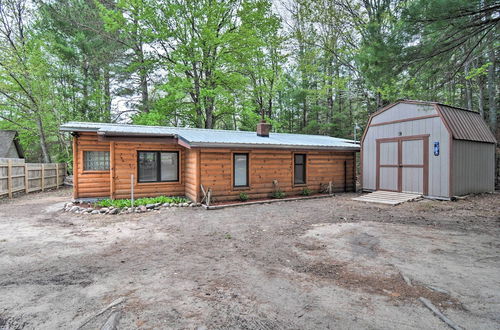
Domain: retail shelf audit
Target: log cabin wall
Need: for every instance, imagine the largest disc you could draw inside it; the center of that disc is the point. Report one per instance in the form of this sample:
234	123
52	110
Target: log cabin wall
208	166
115	183
89	183
265	165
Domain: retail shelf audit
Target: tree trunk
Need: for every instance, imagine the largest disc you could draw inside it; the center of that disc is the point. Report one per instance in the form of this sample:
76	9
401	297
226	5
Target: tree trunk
107	94
480	96
43	141
468	87
492	90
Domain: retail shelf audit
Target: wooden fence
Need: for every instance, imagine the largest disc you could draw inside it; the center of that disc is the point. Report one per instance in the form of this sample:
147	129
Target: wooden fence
18	176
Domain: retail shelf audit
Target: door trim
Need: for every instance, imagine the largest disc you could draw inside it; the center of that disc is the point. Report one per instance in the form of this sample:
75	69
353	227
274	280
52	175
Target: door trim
400	166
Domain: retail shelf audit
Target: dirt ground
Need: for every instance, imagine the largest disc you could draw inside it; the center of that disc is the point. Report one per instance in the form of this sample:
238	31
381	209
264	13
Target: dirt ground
316	264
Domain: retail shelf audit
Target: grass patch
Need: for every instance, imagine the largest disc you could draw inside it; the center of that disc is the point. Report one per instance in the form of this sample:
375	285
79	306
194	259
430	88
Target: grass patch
121	203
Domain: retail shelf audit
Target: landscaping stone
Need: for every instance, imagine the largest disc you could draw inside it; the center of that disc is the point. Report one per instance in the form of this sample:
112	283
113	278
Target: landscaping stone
114	211
166	205
104	210
150	206
141	208
74	208
94	212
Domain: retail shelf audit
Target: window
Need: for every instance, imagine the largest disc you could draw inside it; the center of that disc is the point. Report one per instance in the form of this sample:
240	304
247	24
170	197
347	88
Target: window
240	168
299	169
96	160
158	166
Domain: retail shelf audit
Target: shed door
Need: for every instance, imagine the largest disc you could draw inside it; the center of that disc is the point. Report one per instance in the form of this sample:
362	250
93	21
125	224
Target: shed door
403	164
412	166
388	165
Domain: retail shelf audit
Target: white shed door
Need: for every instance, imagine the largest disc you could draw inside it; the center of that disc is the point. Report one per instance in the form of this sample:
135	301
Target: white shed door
412	166
388	166
402	164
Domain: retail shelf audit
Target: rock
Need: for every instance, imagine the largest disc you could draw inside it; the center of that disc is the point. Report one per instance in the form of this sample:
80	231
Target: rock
141	208
191	205
104	210
198	204
157	204
114	211
94	212
166	205
74	209
88	210
185	204
150	206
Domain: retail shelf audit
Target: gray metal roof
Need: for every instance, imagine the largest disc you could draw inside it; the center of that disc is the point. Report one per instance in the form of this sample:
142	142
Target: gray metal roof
199	137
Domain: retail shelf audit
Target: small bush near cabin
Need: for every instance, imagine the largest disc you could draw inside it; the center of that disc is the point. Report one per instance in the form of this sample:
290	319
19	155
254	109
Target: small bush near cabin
305	192
243	197
278	194
121	203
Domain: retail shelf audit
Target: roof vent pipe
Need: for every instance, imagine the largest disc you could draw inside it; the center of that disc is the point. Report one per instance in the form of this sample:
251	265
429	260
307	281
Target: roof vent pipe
263	128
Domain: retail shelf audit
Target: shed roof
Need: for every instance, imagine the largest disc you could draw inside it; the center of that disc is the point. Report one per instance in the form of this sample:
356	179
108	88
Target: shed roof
199	137
464	124
7	138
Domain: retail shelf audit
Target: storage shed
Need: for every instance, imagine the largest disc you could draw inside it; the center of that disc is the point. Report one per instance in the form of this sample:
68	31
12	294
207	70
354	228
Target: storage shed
427	148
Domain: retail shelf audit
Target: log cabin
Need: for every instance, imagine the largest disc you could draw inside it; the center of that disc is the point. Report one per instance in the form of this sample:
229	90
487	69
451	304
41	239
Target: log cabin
174	161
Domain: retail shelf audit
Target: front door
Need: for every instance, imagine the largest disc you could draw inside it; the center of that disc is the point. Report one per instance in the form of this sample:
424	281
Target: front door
402	164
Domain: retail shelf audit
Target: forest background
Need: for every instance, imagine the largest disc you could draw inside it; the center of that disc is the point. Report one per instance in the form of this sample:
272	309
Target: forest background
307	66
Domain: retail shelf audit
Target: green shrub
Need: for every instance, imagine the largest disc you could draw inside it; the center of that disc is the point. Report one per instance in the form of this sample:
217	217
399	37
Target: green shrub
122	203
305	192
278	194
243	196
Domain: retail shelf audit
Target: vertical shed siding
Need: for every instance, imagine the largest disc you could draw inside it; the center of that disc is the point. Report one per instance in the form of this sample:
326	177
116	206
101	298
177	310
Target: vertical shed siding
404	111
438	165
473	167
267	165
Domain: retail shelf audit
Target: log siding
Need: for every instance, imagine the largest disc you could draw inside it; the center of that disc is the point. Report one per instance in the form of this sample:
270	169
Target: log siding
211	167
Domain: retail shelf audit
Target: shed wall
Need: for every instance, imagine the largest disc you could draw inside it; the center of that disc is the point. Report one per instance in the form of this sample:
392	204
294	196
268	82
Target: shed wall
438	165
402	111
268	165
473	167
12	152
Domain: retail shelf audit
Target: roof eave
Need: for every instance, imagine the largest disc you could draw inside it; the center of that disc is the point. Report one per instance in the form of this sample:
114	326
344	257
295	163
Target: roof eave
269	146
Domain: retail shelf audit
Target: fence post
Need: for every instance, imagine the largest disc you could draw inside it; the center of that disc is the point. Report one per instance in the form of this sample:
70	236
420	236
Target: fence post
26	178
43	177
9	177
57	175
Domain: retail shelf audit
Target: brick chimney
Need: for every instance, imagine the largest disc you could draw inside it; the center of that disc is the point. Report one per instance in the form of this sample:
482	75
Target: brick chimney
263	128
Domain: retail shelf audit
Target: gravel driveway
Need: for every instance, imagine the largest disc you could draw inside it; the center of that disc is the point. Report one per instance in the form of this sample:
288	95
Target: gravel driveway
314	264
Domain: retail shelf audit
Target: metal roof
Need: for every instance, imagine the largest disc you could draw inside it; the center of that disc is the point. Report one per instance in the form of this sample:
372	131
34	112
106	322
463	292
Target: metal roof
466	124
199	137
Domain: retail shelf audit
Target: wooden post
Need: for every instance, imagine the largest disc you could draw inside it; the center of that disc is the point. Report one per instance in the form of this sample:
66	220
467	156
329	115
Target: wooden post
57	175
75	167
9	177
112	170
26	178
43	177
132	190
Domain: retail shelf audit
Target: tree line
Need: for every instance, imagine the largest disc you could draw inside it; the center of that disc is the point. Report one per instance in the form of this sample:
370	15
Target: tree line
306	66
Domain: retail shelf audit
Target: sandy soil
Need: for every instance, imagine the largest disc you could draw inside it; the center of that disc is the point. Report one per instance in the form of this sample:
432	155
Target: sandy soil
314	264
